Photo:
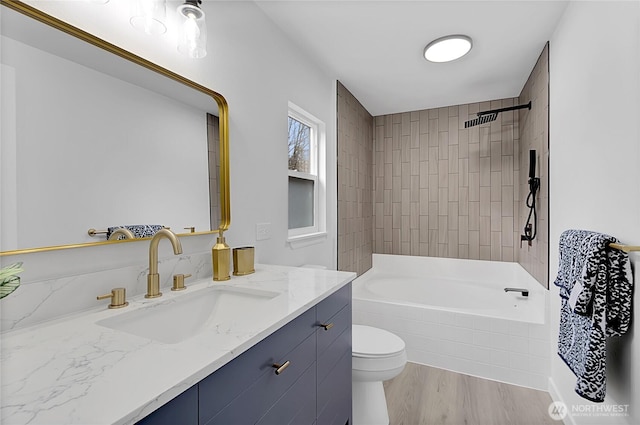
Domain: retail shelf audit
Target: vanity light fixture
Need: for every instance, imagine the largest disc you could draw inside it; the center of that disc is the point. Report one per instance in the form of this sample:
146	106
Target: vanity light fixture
448	48
193	38
149	16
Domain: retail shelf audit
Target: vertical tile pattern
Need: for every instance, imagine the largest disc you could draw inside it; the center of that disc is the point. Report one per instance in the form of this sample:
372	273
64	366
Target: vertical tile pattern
445	190
534	134
361	178
213	143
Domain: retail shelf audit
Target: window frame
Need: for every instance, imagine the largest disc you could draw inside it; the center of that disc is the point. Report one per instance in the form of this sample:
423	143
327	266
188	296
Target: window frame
317	174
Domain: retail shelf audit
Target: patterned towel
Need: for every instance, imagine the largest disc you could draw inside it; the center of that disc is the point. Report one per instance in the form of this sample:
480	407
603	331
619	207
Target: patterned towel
138	230
596	287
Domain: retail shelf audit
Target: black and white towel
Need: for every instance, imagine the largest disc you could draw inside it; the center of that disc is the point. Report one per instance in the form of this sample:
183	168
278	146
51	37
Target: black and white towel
595	287
138	230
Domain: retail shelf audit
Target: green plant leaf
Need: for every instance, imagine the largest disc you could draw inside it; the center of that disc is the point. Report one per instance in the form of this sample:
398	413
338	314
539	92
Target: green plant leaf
10	270
7	286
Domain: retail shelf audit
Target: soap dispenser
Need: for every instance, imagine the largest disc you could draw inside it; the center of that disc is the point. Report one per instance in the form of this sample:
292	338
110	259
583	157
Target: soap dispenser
221	256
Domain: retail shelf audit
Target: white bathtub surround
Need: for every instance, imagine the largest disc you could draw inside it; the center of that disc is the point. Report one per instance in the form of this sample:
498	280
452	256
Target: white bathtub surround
62	372
486	333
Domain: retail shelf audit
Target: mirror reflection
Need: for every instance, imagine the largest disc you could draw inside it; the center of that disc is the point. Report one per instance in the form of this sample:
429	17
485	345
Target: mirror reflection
92	142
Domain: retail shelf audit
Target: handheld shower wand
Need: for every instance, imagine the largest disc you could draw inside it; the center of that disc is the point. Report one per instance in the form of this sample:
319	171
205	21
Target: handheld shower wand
531	229
532	165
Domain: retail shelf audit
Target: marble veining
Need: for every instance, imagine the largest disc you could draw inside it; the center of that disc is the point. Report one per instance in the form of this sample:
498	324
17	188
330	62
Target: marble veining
73	371
40	301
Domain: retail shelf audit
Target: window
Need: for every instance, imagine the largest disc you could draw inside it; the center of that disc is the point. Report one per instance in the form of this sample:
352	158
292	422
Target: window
306	174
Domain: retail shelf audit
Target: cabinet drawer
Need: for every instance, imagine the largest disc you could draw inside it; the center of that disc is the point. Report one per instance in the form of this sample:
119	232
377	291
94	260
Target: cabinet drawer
334	303
251	404
328	360
307	415
334	393
339	414
181	410
223	386
341	321
297	405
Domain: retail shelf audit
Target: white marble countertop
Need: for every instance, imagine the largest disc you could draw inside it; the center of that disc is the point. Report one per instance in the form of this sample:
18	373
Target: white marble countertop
74	371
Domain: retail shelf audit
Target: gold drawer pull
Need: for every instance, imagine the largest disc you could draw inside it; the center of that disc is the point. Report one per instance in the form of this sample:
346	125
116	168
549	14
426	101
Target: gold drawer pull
281	367
326	326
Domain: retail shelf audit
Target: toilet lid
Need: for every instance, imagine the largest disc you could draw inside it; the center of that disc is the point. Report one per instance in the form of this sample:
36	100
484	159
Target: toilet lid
374	342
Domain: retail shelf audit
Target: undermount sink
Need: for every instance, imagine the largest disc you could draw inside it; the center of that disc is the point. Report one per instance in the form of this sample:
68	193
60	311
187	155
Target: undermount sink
176	319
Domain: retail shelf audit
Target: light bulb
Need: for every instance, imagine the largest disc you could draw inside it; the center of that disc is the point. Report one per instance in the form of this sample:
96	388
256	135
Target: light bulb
148	16
193	40
191	34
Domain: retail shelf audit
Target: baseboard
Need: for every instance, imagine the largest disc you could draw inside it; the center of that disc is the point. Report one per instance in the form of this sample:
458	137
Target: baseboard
555	396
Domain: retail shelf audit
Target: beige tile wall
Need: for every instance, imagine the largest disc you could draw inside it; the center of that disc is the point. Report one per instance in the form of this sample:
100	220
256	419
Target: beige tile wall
443	190
440	189
355	171
534	134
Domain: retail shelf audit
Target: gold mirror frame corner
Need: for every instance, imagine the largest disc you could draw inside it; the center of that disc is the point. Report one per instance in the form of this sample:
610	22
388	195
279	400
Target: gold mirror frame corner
223	111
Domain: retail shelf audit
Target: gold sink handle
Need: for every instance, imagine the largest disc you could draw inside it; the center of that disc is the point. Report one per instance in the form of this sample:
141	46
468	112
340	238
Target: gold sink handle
178	282
118	298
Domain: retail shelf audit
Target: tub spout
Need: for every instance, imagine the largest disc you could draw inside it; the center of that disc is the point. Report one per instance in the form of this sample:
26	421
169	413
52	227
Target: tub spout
525	292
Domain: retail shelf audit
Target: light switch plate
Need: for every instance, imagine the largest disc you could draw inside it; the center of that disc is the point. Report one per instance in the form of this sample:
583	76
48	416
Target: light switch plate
263	231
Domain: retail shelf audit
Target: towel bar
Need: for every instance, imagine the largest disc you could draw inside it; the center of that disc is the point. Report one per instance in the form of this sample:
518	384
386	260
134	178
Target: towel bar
93	232
137	232
625	248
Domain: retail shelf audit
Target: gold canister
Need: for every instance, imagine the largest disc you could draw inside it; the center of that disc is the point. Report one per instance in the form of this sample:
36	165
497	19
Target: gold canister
243	258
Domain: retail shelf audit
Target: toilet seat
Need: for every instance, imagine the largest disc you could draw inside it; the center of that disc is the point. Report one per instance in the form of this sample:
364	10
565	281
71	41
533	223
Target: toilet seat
374	343
376	350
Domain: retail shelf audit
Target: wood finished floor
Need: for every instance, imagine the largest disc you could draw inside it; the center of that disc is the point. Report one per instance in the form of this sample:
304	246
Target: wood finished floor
423	395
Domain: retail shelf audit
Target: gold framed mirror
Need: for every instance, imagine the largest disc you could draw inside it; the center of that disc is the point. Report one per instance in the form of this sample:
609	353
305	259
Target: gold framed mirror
72	166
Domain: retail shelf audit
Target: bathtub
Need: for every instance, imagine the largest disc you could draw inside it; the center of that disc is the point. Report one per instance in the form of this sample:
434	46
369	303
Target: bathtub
454	314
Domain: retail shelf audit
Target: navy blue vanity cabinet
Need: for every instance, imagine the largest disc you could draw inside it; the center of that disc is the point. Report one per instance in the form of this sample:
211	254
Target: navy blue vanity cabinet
264	395
333	402
245	389
313	388
181	410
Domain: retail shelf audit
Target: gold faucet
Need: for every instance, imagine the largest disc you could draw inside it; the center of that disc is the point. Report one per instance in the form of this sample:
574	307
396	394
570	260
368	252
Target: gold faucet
121	231
153	279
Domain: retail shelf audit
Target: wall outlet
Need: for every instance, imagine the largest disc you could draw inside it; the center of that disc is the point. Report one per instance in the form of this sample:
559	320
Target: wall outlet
263	231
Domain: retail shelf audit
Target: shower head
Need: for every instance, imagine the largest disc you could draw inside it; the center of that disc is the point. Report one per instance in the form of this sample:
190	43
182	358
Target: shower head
481	120
488	116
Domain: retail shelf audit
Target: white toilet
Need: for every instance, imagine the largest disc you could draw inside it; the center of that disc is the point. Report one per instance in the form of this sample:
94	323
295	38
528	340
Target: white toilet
377	355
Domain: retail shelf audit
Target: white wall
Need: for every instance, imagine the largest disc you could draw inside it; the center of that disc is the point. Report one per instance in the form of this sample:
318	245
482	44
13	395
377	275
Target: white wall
263	71
595	167
258	71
